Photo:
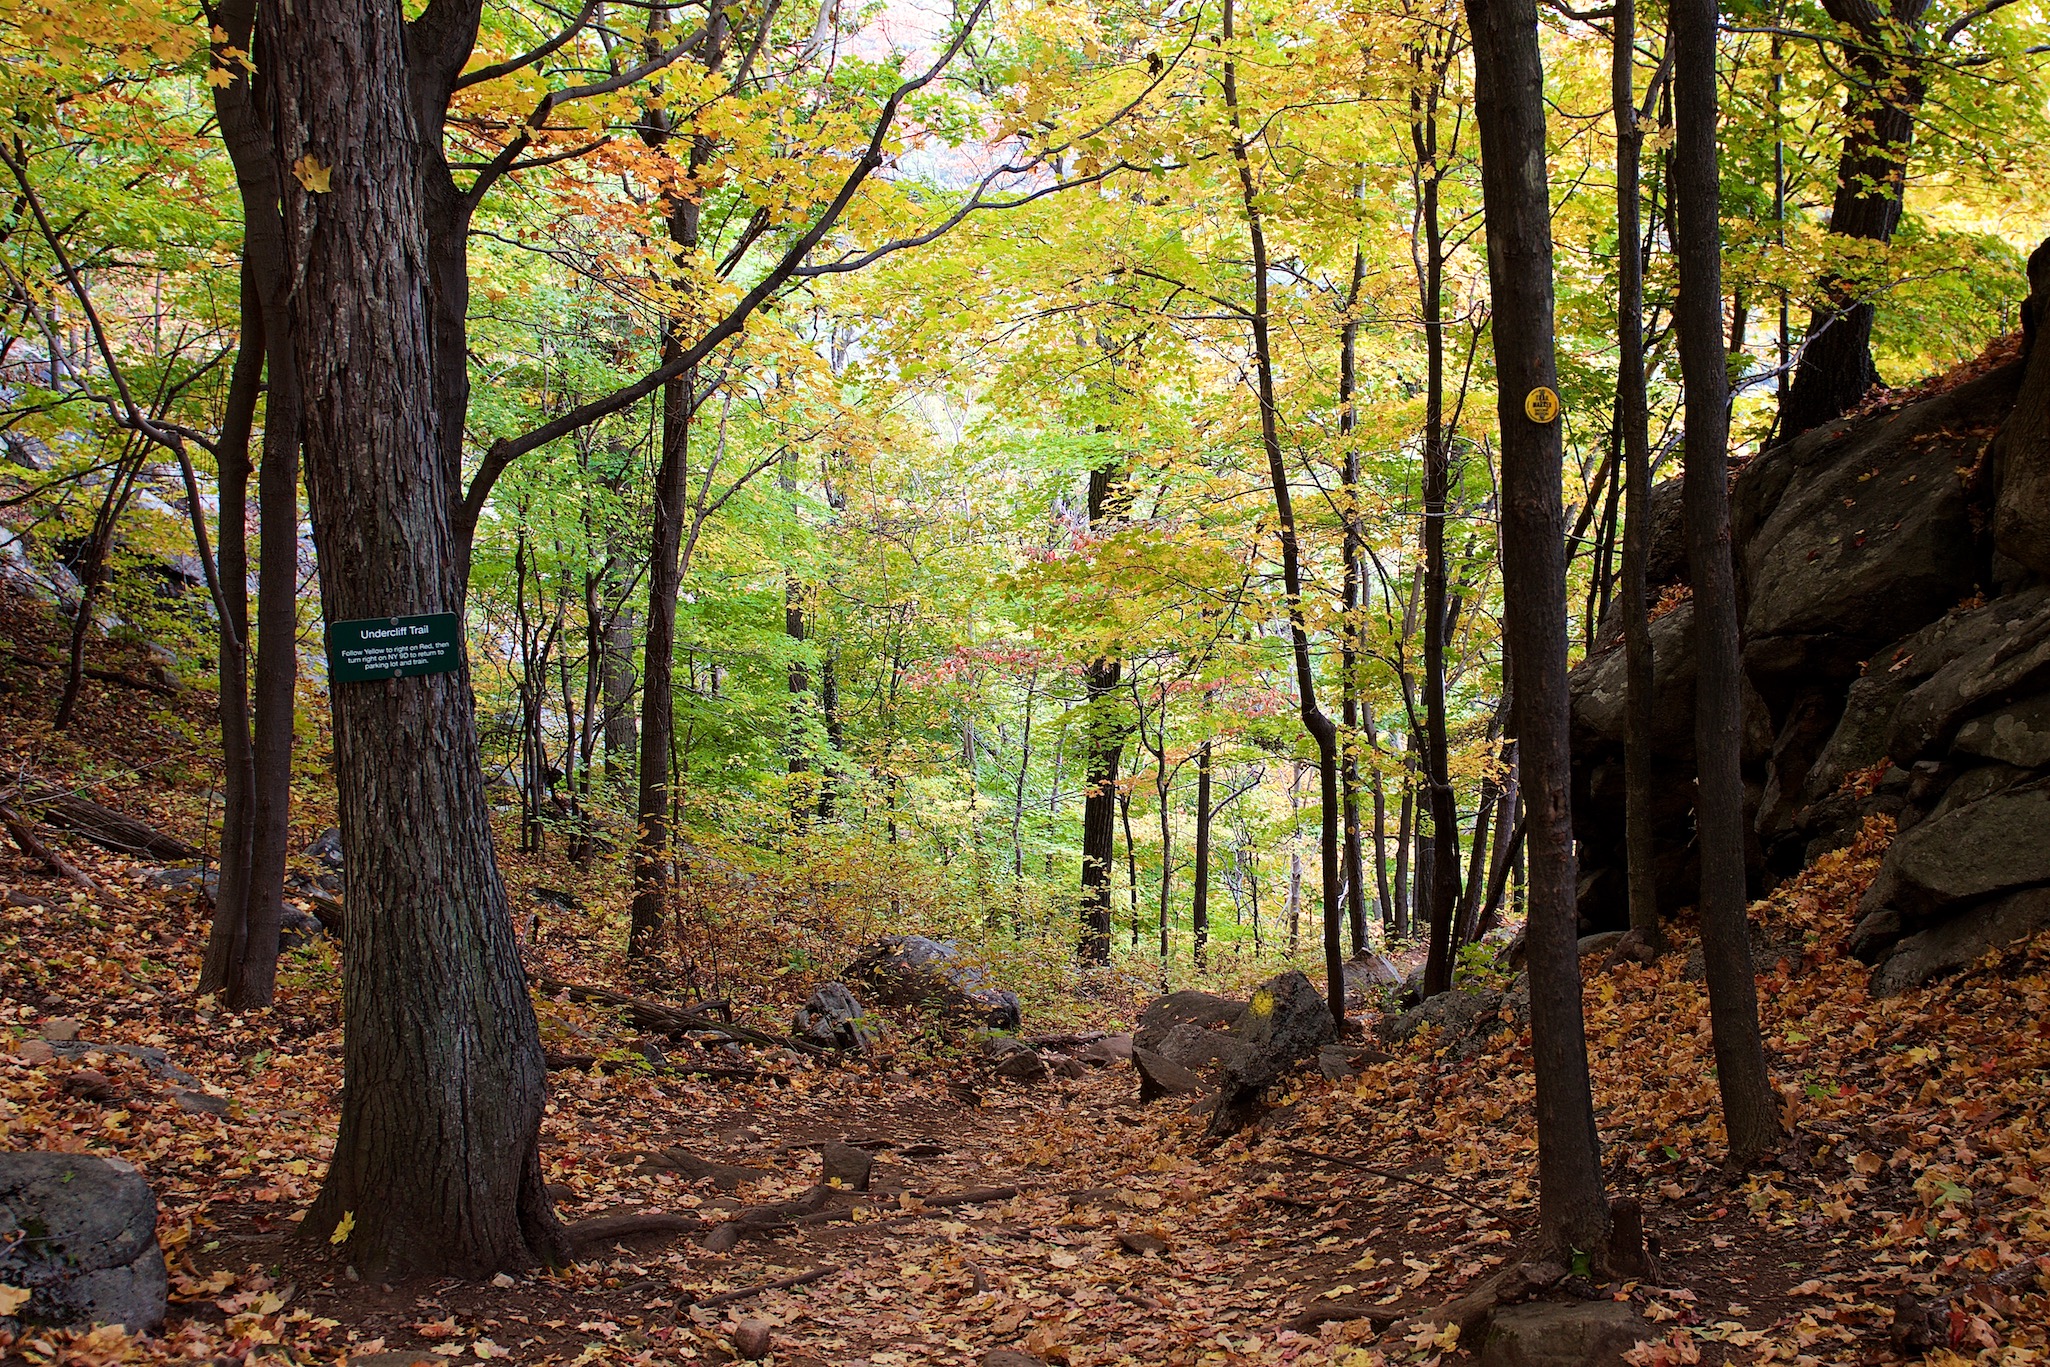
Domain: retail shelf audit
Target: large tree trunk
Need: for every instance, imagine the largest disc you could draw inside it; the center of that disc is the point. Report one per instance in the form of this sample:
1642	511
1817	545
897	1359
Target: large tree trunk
1380	796
658	671
277	670
1510	114
1405	832
1104	743
437	1168
1632	417
238	773
655	800
242	947
622	729
798	678
1351	633
1886	90
1750	1105
1442	887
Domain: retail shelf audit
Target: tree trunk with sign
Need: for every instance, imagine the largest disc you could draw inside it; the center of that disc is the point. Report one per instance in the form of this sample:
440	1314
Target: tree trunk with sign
1509	109
437	1168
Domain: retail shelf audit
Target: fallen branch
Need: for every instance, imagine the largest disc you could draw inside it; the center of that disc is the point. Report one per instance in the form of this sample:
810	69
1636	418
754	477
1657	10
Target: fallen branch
1337	1312
24	836
653	1016
728	1072
661	1018
972	1197
1081	1039
112	676
1393	1175
812	1209
103	826
759	1288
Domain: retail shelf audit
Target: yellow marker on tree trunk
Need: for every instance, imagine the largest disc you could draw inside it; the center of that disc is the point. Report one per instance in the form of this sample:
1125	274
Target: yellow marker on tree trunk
1541	405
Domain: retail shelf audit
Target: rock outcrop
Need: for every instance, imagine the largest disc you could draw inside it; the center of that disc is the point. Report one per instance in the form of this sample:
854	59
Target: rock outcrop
79	1234
1894	568
912	970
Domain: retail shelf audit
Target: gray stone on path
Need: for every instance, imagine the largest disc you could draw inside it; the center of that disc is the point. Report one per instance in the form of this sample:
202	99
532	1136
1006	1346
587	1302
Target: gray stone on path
1563	1334
847	1165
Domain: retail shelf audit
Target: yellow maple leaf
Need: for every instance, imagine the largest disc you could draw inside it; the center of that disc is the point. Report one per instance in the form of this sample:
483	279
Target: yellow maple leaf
343	1228
316	179
12	1298
219	77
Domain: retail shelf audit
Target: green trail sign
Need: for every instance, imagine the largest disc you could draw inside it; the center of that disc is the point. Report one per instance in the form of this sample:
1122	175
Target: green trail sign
394	647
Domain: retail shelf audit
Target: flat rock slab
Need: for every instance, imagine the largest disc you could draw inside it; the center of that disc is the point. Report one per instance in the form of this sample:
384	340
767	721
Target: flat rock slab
1563	1334
1160	1077
1109	1049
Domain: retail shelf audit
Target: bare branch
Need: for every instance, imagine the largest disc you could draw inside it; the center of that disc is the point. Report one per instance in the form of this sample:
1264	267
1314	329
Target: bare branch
974	203
508	67
504	453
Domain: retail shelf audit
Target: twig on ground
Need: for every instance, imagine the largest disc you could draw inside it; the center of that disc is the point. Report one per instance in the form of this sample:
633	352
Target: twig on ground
1393	1175
24	836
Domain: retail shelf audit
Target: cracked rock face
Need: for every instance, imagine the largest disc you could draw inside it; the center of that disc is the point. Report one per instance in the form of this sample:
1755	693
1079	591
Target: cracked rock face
1896	631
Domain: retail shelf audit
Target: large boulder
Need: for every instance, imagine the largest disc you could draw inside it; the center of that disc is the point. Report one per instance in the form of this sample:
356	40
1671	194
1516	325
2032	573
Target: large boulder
1986	837
79	1234
1465	1018
2011	661
912	970
833	1018
2017	735
1830	806
1597	685
1853	532
1283	1026
1200	1050
1200	1010
1369	978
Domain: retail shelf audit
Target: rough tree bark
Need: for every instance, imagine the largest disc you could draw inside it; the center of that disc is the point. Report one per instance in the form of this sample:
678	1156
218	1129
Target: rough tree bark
437	1168
1750	1105
1352	631
1443	885
654	800
1199	905
1632	417
1510	113
658	672
238	767
1104	741
242	944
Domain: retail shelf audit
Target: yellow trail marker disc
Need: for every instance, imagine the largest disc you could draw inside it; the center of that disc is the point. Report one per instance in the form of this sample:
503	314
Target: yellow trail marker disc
1541	405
